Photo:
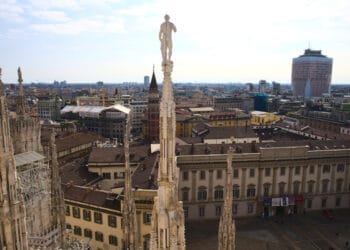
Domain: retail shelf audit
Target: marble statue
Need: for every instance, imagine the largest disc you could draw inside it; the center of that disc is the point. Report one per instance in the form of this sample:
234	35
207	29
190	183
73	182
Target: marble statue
166	43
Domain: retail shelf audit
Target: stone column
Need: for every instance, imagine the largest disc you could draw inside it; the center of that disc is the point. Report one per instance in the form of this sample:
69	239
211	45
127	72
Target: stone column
318	178
346	179
303	180
274	180
290	178
243	184
194	186
332	182
260	170
210	188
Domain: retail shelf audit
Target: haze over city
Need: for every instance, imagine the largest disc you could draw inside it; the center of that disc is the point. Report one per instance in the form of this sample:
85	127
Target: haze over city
117	41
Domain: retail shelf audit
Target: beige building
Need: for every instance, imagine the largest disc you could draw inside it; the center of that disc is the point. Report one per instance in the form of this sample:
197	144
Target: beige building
259	118
267	178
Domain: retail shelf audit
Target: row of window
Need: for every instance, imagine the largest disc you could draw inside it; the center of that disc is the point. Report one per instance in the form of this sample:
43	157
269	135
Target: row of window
112	240
324	202
116	175
218	210
202	193
87	215
297	169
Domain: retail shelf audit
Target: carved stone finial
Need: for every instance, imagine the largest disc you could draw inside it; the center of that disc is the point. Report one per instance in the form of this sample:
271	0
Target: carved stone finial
1	85
20	79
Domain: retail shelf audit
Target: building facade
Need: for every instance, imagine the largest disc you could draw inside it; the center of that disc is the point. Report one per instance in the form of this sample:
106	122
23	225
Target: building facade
311	74
270	180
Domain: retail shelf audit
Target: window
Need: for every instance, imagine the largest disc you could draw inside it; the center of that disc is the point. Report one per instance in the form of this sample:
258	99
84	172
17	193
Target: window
282	171
112	221
252	172
325	186
250	208
87	233
326	169
340	168
67	210
337	201
324	202
202	175
309	203
115	174
113	240
99	236
186	212
185	175
98	217
310	186
281	187
267	189
77	230
235	192
234	208
339	186
202	194
201	211
235	173
185	194
219	193
68	226
297	170
251	191
267	171
147	216
296	187
76	212
312	169
106	175
218	210
218	174
86	215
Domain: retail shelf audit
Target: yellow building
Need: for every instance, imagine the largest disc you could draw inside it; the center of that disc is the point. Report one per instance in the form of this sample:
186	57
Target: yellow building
261	118
95	216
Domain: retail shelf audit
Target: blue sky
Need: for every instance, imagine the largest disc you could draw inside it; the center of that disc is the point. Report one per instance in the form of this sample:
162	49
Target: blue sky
217	41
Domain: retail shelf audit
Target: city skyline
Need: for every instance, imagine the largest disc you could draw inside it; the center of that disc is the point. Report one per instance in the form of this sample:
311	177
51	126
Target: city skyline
117	41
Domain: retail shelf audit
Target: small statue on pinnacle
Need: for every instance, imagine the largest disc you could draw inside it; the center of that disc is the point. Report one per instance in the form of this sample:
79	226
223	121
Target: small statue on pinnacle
166	43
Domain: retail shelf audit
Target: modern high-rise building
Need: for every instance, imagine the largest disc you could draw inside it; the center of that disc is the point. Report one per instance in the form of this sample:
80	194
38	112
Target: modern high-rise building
146	82
311	74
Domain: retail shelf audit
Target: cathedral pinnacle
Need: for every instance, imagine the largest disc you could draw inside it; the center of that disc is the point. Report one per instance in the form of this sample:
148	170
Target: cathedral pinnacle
2	92
21	107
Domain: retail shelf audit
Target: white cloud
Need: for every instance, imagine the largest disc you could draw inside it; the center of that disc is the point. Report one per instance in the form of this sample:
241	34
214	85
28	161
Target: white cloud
75	27
51	15
11	11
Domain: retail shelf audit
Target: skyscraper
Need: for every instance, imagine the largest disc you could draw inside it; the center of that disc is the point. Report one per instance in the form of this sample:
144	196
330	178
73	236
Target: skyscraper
313	68
146	82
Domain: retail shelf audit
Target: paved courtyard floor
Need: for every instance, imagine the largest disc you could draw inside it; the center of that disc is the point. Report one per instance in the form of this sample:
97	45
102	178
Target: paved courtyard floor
306	231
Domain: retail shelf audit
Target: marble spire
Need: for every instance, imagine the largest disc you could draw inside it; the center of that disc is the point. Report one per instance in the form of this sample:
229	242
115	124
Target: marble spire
21	106
2	90
13	231
129	208
168	230
227	228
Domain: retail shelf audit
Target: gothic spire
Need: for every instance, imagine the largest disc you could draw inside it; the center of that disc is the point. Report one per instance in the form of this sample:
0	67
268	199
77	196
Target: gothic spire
2	91
227	229
21	106
153	87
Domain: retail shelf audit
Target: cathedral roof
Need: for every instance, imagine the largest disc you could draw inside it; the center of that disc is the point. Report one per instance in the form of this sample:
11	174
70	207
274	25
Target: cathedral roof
153	87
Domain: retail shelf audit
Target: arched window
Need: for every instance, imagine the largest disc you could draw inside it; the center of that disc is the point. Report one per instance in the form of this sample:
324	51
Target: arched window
185	193
202	193
219	193
281	188
235	191
325	185
251	191
77	230
267	187
339	186
87	233
296	187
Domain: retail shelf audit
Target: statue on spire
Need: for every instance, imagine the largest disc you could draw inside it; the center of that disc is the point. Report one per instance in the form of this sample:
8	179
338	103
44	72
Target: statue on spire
2	92
21	106
166	43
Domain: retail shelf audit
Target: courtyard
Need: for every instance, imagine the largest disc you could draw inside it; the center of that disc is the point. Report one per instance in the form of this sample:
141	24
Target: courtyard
312	230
